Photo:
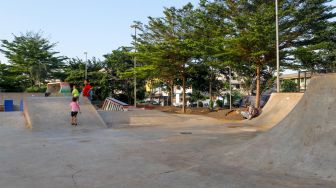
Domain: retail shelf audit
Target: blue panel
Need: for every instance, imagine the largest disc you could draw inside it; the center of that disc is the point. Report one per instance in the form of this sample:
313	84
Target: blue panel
9	105
21	105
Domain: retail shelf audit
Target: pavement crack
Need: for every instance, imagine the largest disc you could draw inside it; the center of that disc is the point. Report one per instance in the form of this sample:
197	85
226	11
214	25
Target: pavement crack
167	172
73	177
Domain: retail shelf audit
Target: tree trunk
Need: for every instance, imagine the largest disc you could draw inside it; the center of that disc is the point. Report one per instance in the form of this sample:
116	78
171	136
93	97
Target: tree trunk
257	102
298	81
171	93
210	92
151	91
184	94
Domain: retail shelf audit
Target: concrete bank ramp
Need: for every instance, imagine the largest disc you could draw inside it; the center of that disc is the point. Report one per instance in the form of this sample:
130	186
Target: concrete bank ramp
119	119
11	119
277	108
53	113
304	143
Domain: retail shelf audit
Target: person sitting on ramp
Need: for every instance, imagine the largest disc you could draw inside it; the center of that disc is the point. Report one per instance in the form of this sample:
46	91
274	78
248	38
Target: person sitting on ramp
250	113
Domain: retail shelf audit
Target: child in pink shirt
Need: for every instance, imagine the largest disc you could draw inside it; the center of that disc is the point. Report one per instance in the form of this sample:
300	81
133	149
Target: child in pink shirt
74	111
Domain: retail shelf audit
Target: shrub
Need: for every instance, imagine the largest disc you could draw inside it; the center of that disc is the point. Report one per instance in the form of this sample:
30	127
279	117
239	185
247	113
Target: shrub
219	103
211	104
288	86
36	89
200	104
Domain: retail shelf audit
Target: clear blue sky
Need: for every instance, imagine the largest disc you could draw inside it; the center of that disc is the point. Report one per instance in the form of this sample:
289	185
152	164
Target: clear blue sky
95	26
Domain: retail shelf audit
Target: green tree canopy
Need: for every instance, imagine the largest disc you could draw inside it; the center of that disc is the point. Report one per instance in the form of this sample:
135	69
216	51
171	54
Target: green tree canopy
32	56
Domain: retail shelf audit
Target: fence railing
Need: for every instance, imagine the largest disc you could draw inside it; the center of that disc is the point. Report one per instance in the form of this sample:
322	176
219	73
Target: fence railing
113	104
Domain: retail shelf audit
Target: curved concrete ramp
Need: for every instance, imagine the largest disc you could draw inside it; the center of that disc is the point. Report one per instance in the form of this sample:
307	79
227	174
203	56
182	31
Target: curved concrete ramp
304	143
53	113
277	108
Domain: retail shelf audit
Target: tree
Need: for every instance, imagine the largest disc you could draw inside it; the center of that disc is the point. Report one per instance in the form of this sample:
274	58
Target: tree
119	75
288	86
168	43
209	32
74	72
32	56
308	34
252	42
9	80
239	34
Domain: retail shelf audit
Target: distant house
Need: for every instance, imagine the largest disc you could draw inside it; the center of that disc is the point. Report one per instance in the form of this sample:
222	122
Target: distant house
159	94
303	79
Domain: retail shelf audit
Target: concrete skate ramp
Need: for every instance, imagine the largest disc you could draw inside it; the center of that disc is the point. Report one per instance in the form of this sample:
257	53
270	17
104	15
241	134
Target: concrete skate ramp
16	97
53	113
304	143
277	108
11	119
120	119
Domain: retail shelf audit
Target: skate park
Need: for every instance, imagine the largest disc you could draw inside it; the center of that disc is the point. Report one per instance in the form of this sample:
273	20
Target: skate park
176	94
155	149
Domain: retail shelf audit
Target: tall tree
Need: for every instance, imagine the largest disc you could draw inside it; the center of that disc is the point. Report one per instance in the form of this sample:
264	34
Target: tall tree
10	80
74	71
32	56
120	72
251	44
309	34
169	43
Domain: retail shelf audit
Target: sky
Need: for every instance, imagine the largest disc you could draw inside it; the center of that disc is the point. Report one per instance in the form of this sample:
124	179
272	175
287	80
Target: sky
77	26
93	26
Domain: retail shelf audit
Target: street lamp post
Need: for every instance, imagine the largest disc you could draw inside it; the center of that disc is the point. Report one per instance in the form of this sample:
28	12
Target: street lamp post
230	88
134	61
85	65
277	45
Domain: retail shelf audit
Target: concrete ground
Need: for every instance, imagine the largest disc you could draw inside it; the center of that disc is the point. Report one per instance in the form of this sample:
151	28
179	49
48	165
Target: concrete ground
153	149
180	154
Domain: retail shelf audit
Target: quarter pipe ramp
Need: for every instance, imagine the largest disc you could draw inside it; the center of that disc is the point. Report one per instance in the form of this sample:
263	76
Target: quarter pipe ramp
303	143
277	108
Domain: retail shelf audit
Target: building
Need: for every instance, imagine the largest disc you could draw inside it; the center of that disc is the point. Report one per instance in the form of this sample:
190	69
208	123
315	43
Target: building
301	78
160	95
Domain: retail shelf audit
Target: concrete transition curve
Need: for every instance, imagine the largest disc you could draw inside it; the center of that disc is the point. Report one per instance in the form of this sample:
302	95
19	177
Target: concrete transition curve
53	113
303	143
277	108
122	119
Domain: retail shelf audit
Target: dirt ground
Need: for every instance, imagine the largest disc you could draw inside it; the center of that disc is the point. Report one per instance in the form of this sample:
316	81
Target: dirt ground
221	114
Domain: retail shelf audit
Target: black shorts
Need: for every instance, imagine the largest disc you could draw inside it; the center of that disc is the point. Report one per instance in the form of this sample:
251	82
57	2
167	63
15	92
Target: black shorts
74	114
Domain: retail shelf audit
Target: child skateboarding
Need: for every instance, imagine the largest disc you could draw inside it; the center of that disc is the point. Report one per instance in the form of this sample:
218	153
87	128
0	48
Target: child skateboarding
74	111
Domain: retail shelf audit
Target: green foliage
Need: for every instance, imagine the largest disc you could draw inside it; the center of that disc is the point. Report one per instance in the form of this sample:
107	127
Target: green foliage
35	89
196	95
288	86
166	45
220	103
236	95
10	81
211	104
74	73
309	34
119	78
32	57
189	46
